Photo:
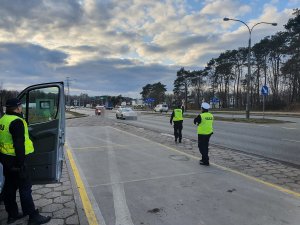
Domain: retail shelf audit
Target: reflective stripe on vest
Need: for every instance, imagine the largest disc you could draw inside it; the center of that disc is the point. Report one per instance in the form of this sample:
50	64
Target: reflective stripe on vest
206	125
177	115
6	141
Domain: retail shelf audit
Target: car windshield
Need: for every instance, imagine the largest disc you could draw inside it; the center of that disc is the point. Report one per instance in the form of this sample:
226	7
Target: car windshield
127	110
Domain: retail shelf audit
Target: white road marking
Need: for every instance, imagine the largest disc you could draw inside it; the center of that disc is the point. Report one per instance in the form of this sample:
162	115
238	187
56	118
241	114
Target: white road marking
290	140
122	212
169	135
152	178
263	125
289	128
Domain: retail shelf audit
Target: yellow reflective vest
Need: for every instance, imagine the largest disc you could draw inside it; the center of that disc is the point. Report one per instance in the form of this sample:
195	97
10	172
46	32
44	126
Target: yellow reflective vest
177	115
6	141
206	125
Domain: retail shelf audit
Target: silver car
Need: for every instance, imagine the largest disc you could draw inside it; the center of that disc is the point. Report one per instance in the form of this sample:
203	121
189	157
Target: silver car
126	113
161	108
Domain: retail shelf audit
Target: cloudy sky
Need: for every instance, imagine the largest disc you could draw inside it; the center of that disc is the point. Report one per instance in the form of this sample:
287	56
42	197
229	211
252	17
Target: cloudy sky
118	46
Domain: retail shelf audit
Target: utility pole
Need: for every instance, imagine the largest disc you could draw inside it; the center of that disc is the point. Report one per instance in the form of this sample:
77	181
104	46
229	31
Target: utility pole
68	80
249	66
1	99
68	95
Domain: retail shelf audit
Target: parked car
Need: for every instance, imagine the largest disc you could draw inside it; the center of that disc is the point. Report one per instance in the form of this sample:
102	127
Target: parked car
161	108
126	113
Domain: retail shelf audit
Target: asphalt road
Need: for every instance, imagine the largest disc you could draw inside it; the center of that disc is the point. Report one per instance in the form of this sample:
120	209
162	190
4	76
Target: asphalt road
276	141
133	181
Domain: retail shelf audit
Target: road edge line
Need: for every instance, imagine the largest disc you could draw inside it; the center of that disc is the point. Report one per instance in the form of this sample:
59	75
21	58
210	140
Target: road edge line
274	186
87	205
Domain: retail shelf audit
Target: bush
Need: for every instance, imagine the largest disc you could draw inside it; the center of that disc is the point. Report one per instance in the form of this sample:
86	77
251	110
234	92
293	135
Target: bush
275	104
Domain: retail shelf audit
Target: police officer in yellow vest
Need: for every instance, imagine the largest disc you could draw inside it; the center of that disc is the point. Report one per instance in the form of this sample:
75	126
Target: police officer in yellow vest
177	119
15	145
205	130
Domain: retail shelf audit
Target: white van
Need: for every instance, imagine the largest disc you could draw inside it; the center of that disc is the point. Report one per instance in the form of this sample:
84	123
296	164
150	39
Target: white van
161	108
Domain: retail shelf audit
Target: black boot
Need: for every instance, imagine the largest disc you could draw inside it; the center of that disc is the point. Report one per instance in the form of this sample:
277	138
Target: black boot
14	218
37	218
204	163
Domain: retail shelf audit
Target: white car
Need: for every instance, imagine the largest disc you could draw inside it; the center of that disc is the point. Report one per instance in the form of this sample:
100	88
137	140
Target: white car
126	113
161	108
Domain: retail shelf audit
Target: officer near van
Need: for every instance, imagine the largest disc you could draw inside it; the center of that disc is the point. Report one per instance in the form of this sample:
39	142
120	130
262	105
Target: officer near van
205	130
15	146
177	119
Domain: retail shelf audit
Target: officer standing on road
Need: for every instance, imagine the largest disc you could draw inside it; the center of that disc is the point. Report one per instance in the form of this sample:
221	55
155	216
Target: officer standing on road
205	130
15	145
177	118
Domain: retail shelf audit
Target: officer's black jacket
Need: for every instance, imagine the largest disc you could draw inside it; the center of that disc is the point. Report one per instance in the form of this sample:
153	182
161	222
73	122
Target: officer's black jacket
17	131
197	120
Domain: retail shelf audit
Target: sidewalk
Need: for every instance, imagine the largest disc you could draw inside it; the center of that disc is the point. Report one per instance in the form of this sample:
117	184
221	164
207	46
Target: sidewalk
59	200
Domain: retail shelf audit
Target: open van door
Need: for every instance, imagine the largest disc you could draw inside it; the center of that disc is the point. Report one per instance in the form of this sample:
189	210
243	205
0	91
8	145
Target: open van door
44	111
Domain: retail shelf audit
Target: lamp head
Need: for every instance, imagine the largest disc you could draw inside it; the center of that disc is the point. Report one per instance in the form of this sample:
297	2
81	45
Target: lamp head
274	24
226	19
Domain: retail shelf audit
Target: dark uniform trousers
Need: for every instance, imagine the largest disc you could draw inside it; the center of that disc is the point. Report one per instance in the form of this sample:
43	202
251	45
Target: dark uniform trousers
178	129
203	141
15	180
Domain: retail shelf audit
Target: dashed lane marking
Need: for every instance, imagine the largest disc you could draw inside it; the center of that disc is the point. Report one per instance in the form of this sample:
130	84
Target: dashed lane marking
263	125
290	140
290	128
122	213
168	135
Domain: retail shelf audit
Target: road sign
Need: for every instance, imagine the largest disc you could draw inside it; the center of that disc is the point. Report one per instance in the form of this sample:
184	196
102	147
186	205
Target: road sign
264	90
149	100
215	100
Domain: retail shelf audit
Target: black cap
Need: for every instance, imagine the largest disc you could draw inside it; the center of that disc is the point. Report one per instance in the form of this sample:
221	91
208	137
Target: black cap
13	102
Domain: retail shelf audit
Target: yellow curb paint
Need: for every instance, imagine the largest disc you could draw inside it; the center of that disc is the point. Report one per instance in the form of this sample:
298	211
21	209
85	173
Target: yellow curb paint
294	193
87	206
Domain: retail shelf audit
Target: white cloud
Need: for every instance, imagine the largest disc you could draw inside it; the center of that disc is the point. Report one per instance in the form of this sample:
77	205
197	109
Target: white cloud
130	36
223	8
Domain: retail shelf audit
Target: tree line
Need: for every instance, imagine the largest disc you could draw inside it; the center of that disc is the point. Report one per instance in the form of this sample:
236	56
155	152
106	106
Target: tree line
275	62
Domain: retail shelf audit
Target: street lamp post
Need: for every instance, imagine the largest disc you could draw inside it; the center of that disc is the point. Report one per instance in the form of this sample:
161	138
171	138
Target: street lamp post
249	67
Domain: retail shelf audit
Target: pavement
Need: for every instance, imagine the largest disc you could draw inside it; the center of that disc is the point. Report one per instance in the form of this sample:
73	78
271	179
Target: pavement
63	203
59	200
278	173
140	176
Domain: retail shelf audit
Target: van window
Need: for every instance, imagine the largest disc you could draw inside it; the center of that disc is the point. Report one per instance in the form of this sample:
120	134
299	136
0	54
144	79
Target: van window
42	106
